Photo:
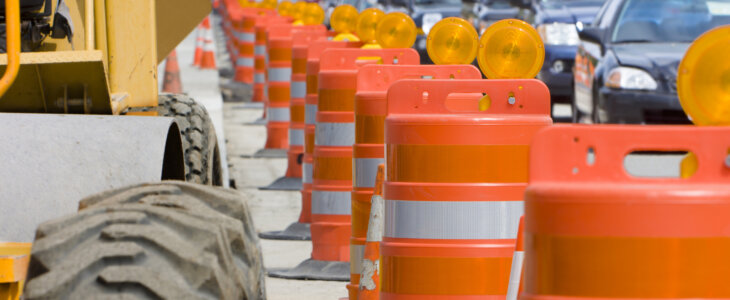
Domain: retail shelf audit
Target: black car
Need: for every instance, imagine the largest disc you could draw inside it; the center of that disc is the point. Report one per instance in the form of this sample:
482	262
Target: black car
556	21
626	64
425	13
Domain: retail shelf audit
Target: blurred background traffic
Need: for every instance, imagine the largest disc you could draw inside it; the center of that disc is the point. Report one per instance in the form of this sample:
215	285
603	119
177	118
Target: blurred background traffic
606	61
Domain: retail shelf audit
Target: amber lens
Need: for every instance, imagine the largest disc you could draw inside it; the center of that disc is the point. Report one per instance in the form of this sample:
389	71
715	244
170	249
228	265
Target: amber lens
367	24
452	41
297	10
284	8
313	14
510	49
703	81
344	19
396	30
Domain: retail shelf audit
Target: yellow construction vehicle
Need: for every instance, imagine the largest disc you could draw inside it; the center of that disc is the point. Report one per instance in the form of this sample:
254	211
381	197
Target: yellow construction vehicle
80	115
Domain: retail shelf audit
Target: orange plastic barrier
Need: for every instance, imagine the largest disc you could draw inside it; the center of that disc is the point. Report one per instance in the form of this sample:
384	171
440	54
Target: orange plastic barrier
456	174
310	111
368	151
245	34
261	55
592	231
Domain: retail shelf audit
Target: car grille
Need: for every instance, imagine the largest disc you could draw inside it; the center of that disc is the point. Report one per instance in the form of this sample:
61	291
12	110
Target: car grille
665	117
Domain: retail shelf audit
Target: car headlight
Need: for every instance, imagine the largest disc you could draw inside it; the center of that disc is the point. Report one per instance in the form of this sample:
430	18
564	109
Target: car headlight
630	79
558	34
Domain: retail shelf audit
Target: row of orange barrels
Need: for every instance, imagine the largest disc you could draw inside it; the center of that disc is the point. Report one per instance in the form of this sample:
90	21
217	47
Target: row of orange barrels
465	158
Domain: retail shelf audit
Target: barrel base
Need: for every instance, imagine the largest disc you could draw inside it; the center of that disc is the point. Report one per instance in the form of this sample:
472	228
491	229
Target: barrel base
259	121
284	184
311	269
270	153
233	91
295	232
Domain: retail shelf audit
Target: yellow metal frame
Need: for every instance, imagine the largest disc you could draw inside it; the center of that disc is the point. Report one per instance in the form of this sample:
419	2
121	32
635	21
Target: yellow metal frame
14	259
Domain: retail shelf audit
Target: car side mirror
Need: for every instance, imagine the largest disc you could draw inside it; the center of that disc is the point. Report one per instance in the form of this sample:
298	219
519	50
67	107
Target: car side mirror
592	34
521	3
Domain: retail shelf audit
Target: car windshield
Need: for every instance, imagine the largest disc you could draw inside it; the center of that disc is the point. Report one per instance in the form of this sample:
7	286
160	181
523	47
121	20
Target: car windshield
668	21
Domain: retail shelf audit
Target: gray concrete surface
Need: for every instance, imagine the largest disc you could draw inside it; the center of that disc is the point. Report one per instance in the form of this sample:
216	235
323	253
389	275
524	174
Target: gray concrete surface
271	210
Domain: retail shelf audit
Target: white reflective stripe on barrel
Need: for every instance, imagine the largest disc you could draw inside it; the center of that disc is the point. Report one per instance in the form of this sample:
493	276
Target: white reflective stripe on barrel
259	50
296	137
306	172
334	134
515	275
278	114
298	89
452	219
248	37
357	252
259	77
330	203
365	170
280	74
244	62
310	114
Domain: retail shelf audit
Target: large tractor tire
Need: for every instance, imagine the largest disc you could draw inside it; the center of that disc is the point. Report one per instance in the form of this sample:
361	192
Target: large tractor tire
171	240
200	147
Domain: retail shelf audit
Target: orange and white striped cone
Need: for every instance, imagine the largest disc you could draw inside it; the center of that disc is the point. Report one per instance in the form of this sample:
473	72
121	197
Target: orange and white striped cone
171	82
208	59
199	44
518	259
369	269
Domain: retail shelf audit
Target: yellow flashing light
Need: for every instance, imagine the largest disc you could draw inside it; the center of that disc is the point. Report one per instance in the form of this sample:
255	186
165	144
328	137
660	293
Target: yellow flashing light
367	24
284	8
510	49
396	30
452	41
297	10
313	14
703	79
344	19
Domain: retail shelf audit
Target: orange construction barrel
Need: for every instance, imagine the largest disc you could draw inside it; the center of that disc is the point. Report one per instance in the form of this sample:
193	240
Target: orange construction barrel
368	151
593	231
456	174
300	230
302	35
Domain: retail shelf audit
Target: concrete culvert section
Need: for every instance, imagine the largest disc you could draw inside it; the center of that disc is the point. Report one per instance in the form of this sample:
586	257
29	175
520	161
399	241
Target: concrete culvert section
171	240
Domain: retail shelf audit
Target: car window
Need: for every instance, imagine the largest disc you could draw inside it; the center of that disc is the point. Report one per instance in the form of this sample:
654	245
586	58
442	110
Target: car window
668	21
608	13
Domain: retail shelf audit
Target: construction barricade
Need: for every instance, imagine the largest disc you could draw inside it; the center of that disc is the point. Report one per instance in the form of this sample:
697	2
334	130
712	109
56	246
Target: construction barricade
300	230
301	39
368	151
369	279
593	231
332	157
456	172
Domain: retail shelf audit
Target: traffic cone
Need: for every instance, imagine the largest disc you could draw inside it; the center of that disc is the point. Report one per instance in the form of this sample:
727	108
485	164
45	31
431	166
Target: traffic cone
208	59
171	83
199	44
518	258
369	286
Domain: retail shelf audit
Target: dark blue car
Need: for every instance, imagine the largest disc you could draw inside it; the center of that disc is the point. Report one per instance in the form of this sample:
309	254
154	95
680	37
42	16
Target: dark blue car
556	21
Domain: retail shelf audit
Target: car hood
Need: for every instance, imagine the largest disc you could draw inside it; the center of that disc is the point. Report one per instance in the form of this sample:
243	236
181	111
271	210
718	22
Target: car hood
570	12
661	60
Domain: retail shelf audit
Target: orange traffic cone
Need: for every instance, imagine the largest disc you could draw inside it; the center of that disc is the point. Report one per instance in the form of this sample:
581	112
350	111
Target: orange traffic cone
171	82
208	59
199	44
518	258
369	285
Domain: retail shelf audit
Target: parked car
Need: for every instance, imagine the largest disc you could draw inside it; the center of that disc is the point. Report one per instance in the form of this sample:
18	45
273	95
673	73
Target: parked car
556	22
490	11
425	13
626	64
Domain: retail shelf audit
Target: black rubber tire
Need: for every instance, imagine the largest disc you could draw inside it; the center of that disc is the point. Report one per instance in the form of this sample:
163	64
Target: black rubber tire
202	163
170	240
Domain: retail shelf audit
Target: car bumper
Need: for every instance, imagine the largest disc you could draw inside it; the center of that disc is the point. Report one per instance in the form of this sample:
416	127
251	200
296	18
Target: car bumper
557	72
636	107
